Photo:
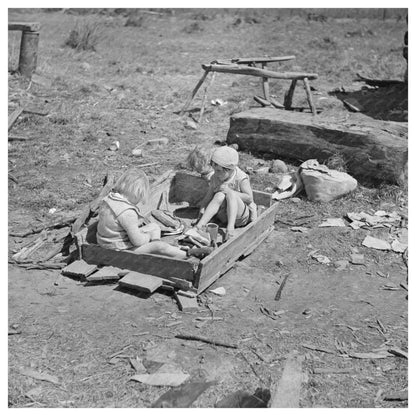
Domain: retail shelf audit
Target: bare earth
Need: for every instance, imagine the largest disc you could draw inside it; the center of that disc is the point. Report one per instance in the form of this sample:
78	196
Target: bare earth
130	90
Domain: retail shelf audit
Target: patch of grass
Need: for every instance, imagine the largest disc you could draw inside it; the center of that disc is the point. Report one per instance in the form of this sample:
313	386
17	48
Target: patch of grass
84	36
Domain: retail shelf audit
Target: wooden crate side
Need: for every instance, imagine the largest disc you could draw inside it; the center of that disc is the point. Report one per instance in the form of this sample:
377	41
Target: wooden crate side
213	266
153	264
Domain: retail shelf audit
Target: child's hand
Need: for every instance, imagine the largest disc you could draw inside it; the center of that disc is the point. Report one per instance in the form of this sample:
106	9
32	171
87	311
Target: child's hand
153	230
230	233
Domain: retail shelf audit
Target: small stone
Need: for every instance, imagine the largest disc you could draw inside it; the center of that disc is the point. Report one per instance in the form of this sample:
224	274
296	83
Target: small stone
189	124
137	152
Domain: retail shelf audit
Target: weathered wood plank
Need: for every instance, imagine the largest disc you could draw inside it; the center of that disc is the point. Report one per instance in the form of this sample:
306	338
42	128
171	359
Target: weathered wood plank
287	392
153	264
263	59
221	260
25	26
79	268
374	152
140	281
186	303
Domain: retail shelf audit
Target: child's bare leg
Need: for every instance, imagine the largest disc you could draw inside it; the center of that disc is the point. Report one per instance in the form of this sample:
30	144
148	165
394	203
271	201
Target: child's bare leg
235	208
162	248
211	209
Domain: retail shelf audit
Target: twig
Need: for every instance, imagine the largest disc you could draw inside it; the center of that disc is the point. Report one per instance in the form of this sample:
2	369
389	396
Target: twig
280	289
207	340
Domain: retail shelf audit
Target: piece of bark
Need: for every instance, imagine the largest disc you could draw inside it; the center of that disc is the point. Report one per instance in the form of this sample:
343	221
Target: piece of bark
189	337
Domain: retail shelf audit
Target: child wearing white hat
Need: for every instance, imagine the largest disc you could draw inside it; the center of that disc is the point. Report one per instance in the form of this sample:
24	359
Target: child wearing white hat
230	197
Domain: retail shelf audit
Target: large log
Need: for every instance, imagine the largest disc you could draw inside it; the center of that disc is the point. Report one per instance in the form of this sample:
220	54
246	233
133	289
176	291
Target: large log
374	151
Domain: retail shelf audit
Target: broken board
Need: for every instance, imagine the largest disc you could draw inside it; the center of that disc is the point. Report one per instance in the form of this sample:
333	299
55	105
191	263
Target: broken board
374	151
142	282
186	303
105	274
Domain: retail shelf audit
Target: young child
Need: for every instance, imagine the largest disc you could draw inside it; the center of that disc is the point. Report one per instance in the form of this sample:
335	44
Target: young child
121	226
230	196
199	160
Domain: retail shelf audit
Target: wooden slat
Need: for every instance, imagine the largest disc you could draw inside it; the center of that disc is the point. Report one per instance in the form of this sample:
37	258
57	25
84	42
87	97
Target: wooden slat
263	59
258	72
25	26
193	93
153	264
224	258
79	268
309	96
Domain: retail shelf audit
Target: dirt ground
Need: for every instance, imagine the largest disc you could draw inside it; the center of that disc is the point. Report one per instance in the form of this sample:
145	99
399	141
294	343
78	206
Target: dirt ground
130	90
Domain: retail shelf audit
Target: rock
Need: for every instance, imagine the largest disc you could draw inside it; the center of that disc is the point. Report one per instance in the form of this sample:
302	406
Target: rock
137	152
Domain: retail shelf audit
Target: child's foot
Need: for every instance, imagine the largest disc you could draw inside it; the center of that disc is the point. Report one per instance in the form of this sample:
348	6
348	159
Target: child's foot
200	252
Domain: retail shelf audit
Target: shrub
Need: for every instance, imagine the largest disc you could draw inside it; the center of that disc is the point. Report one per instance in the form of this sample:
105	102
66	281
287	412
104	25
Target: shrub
84	36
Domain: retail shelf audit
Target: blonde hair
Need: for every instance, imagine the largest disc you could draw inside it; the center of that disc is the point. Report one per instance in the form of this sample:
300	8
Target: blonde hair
199	159
133	185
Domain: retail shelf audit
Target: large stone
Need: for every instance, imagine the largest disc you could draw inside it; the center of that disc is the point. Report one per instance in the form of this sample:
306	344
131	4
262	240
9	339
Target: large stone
374	151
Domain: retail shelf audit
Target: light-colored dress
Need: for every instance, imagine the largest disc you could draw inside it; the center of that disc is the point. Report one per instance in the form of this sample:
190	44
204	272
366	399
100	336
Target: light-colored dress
234	182
110	232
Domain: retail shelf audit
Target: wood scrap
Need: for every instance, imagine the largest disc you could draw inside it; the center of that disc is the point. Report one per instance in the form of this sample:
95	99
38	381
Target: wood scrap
193	93
177	283
105	274
139	281
316	348
79	268
30	248
189	337
14	116
281	287
287	392
63	222
186	303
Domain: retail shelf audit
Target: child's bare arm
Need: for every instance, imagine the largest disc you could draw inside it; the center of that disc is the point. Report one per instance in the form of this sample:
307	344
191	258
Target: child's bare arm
246	194
131	223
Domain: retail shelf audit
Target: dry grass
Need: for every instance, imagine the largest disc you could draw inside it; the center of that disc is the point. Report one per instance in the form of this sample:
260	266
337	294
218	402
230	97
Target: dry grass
85	35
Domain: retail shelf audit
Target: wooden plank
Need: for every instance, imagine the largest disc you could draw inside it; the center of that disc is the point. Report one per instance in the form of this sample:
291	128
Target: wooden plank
107	273
79	268
258	72
287	392
14	116
25	26
262	101
186	303
28	55
153	264
221	260
140	281
177	283
375	152
263	59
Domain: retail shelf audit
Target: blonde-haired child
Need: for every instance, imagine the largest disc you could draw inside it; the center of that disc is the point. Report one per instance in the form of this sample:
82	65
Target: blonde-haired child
199	160
121	225
230	197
